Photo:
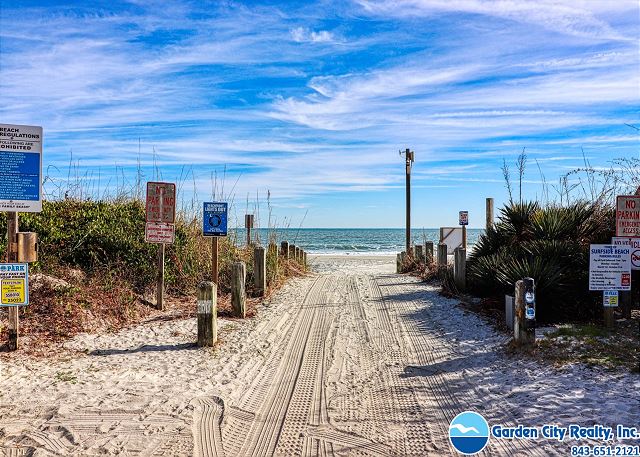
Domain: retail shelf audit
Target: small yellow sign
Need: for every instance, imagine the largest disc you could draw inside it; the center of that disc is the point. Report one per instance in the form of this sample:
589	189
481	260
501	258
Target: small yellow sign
12	291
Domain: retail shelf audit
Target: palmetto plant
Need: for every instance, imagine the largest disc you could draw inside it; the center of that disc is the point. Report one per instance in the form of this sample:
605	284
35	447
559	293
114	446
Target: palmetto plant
549	244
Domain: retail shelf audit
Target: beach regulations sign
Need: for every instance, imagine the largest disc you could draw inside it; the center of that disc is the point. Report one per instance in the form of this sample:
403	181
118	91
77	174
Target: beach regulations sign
20	168
628	216
214	219
14	284
609	267
634	244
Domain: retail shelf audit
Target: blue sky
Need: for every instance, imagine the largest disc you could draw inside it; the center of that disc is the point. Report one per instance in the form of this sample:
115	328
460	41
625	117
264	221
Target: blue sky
310	102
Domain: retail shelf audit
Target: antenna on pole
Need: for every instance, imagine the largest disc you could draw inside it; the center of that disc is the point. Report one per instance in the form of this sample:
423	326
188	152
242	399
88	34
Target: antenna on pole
409	158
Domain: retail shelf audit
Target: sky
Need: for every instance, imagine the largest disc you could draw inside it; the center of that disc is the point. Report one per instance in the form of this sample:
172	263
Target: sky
304	106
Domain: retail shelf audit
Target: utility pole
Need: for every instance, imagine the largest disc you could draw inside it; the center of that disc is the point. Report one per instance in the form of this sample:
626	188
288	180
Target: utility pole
408	161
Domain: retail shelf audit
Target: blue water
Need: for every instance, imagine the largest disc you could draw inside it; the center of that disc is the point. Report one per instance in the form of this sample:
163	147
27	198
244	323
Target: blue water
469	444
347	241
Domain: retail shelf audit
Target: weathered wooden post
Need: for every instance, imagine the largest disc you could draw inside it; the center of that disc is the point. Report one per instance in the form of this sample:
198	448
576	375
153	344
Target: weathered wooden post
489	213
524	329
460	268
428	252
248	225
442	255
207	314
238	294
304	259
400	261
285	249
296	255
419	253
160	278
273	249
292	251
260	270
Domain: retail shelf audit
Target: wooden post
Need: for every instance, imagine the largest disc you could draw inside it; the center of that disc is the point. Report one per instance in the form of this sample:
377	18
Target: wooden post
238	294
160	278
625	300
248	224
489	213
207	314
609	318
292	251
419	253
260	270
13	330
214	259
460	268
464	237
399	262
285	249
273	250
521	333
304	259
428	252
298	254
408	161
442	255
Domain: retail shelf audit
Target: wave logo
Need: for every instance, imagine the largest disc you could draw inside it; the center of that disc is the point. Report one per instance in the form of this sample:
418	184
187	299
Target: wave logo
469	433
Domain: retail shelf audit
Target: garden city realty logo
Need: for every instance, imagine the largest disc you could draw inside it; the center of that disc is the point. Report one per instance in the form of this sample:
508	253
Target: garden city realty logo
469	432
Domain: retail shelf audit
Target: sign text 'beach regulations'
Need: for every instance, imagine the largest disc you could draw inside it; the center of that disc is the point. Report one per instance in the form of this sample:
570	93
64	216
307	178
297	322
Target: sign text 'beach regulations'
609	267
634	244
463	218
14	284
20	168
628	216
214	219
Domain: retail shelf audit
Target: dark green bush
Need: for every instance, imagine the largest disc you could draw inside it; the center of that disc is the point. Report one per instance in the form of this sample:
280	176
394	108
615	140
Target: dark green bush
549	244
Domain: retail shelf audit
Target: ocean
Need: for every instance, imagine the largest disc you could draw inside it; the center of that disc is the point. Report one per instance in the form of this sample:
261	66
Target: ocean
348	241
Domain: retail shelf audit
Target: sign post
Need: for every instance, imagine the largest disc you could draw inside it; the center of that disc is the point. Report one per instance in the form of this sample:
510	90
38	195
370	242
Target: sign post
463	220
214	224
160	225
248	224
20	191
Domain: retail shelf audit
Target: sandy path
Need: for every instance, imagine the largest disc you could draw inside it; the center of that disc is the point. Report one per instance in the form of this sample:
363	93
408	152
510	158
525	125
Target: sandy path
354	360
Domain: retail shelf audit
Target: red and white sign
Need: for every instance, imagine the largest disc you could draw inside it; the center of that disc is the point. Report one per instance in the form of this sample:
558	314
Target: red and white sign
159	232
634	244
161	202
628	216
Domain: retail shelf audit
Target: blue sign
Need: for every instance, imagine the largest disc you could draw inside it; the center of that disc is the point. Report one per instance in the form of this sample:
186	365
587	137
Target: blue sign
214	219
20	168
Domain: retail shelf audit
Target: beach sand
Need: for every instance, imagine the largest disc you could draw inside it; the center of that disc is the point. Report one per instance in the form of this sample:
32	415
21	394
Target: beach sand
350	360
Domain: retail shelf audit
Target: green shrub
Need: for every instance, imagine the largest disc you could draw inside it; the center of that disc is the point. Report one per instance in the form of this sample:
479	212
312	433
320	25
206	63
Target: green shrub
549	244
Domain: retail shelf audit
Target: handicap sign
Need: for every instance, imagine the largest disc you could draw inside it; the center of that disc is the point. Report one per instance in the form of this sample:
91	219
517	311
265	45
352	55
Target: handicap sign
214	219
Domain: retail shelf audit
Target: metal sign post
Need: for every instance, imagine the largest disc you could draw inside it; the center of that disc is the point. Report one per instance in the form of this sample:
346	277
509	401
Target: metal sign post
160	227
214	224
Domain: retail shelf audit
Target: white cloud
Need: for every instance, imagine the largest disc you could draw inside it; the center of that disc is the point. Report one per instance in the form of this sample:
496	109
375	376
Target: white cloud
304	35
